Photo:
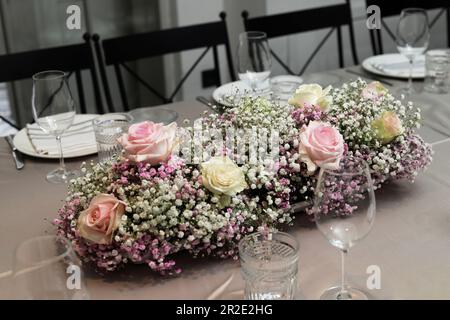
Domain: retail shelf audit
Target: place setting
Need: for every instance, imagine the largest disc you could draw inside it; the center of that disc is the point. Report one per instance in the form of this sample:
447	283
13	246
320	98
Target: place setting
255	76
303	186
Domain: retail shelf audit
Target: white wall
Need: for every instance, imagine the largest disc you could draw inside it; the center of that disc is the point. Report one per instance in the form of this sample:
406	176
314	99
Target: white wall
193	12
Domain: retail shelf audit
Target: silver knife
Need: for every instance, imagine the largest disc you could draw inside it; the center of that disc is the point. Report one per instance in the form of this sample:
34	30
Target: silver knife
15	153
206	102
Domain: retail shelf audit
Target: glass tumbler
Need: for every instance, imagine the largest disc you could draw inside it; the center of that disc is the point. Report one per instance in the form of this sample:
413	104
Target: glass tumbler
108	128
437	68
269	264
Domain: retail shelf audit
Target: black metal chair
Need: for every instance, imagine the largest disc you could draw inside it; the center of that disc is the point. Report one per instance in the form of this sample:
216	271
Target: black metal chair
333	17
117	52
71	58
393	8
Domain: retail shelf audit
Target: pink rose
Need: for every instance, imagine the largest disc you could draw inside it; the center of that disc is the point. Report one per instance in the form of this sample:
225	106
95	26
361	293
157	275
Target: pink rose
321	145
99	221
373	91
149	142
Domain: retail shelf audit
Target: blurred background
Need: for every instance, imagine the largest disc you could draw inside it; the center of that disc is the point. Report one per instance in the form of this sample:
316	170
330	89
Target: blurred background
32	24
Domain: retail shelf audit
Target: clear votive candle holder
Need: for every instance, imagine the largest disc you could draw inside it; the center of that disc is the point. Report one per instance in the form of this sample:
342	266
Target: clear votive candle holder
437	68
108	129
269	265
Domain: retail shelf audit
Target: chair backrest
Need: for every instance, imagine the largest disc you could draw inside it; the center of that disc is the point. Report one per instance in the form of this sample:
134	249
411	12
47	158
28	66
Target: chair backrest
71	58
118	51
394	8
283	24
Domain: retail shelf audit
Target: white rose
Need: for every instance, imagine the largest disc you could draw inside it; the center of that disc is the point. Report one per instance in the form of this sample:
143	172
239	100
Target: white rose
221	175
312	94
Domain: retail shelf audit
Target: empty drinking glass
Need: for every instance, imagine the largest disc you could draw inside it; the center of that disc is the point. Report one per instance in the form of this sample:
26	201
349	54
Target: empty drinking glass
412	38
437	69
344	211
46	267
54	110
253	58
108	128
269	263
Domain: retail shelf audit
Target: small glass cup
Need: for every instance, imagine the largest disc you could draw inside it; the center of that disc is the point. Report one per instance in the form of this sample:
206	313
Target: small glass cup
108	128
269	264
437	67
283	87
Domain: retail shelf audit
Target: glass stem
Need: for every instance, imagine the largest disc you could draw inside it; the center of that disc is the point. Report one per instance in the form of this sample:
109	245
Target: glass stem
343	294
410	83
61	158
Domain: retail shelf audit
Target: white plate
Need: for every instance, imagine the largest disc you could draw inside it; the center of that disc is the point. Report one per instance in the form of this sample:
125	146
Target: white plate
229	94
395	65
23	144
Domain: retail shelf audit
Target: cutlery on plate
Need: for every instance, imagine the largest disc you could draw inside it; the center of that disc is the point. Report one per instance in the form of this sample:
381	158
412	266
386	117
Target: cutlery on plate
367	76
208	103
75	127
68	134
397	65
17	156
27	131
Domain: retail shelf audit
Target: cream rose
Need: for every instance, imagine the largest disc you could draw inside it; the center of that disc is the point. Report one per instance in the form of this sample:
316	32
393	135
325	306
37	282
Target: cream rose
99	221
321	145
149	142
387	126
312	94
373	91
221	175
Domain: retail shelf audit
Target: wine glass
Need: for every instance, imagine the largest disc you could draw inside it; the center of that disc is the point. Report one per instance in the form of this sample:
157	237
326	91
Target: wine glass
344	211
54	112
412	38
253	58
46	267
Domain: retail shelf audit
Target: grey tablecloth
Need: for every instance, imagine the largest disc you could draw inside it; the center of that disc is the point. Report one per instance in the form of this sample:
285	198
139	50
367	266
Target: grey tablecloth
410	241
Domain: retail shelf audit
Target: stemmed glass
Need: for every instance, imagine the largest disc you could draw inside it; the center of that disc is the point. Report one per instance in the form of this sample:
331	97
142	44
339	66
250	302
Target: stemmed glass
46	267
253	58
344	211
54	112
412	38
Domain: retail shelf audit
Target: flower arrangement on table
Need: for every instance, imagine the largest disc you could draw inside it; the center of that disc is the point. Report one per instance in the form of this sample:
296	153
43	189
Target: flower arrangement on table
150	203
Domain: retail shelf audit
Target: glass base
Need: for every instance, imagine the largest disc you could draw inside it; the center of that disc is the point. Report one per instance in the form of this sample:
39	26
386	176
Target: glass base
436	89
406	92
62	176
334	293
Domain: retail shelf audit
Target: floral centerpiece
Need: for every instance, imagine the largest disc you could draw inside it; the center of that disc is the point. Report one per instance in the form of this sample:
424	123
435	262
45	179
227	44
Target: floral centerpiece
153	201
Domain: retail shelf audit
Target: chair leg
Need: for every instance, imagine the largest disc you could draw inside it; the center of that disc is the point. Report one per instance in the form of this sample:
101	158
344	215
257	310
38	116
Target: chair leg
380	41
448	27
216	65
373	42
339	42
102	70
120	82
80	92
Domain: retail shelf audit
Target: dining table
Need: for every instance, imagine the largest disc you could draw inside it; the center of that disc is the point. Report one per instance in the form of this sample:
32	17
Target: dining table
409	244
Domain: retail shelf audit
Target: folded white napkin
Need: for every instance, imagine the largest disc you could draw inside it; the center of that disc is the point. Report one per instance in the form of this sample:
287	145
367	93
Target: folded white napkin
401	67
79	138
